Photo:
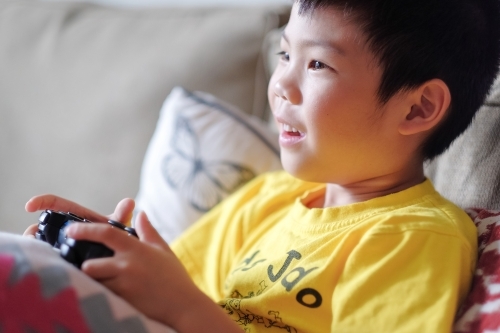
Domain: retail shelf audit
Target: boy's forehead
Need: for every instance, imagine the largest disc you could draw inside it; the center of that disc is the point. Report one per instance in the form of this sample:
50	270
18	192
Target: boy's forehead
325	25
335	34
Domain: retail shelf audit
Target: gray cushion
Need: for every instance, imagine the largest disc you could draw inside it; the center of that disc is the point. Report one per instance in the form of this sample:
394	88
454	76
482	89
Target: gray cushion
468	173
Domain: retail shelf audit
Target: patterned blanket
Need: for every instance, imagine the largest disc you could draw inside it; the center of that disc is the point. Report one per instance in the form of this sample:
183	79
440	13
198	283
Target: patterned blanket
40	292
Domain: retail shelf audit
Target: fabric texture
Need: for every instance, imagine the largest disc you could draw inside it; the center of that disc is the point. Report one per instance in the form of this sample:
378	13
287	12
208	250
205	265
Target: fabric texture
82	85
272	263
40	292
481	310
202	150
468	173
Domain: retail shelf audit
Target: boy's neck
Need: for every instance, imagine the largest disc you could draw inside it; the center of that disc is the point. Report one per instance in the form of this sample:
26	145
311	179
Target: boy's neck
341	195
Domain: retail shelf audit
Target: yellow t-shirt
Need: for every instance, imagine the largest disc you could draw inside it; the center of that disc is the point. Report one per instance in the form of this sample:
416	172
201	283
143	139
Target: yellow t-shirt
398	263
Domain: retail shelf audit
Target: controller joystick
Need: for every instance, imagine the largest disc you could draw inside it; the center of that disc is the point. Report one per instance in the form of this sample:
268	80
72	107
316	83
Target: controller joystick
52	229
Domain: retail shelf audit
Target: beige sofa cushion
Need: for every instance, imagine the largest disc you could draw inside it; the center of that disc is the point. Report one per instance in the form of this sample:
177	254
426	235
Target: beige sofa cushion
81	87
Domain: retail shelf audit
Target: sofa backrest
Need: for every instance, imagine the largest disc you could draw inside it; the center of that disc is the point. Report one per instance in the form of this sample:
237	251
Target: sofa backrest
468	173
81	88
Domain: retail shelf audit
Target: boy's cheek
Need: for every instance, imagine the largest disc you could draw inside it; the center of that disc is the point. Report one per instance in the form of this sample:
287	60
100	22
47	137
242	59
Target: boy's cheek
270	92
272	83
272	102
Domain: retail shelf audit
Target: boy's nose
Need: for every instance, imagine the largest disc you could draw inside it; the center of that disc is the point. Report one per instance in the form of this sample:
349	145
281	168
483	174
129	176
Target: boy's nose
287	89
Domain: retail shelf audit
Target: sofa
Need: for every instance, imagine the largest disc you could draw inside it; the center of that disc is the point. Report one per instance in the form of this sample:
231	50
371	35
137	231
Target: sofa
101	103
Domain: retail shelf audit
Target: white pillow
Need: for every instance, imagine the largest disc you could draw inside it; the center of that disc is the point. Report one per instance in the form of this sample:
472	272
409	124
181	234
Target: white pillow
202	150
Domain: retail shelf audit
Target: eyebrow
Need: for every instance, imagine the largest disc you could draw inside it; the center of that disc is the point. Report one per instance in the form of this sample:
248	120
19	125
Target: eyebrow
321	43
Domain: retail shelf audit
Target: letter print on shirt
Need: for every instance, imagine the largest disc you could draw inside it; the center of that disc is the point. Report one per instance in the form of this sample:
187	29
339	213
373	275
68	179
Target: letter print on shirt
289	274
248	263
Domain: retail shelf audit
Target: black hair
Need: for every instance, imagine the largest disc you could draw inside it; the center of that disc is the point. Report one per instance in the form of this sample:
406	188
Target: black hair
414	41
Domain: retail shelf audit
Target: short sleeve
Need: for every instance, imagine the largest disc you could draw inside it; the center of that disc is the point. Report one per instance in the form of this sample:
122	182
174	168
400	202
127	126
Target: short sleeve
408	281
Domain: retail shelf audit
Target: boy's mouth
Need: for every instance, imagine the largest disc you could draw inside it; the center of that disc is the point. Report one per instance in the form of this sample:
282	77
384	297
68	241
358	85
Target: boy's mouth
291	130
290	136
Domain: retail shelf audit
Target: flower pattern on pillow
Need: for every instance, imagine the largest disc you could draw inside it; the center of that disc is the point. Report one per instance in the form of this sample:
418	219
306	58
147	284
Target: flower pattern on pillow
203	149
202	182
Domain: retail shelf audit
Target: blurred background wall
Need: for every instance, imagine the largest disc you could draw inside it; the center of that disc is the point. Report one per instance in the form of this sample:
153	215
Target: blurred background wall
183	3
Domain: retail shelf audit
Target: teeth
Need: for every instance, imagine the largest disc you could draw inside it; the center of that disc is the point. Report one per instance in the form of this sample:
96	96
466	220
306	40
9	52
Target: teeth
288	128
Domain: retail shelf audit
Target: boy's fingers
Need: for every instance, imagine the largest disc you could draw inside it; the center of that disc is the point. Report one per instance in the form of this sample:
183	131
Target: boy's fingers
101	268
147	233
49	201
115	285
31	230
123	211
112	237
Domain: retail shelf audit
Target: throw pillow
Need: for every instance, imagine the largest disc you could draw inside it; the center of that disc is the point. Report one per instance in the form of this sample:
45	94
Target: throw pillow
202	150
481	310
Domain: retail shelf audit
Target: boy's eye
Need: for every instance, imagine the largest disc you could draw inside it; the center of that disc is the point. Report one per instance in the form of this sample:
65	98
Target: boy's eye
284	55
317	65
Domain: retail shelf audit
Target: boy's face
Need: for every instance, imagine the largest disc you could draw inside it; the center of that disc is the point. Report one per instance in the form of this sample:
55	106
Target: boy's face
323	95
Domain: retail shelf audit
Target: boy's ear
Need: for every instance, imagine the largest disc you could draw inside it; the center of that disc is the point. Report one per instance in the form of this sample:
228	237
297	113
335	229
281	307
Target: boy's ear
429	104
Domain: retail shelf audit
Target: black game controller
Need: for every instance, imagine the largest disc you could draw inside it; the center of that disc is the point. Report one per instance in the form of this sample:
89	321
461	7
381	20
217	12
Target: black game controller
51	229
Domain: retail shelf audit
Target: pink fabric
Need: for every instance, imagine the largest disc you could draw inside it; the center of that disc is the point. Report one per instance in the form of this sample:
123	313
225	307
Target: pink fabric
21	301
40	292
481	310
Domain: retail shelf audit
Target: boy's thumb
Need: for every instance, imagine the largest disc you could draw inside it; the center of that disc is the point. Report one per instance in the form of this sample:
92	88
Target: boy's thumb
146	232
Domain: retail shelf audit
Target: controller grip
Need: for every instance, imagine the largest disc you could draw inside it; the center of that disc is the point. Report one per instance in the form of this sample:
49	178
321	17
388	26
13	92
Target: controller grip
77	251
51	230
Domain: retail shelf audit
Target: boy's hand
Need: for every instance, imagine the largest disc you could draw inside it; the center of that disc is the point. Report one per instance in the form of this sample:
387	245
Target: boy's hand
123	211
145	272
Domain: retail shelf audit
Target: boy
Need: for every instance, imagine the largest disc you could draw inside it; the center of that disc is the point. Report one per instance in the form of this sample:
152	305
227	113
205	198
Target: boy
355	239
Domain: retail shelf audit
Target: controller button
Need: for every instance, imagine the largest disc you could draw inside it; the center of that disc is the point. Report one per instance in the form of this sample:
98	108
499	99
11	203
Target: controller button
64	250
69	242
43	216
41	227
68	253
39	235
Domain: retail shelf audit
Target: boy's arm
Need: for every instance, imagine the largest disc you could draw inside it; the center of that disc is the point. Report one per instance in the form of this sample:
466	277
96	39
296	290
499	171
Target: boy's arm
149	276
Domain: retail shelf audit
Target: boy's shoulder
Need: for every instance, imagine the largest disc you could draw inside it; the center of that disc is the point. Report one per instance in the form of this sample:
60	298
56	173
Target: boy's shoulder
418	208
422	209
